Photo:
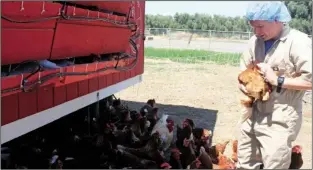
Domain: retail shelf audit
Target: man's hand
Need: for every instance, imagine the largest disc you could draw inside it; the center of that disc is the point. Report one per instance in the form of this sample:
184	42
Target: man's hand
268	73
289	83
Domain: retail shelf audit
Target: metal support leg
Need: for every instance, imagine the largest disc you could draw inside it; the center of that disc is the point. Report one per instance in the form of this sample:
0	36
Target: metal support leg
98	114
89	121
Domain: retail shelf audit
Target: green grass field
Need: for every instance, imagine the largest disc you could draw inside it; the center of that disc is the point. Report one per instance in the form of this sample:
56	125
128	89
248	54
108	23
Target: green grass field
192	56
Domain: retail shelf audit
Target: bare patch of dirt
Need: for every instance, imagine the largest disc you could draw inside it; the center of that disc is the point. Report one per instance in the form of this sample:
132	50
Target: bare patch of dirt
207	93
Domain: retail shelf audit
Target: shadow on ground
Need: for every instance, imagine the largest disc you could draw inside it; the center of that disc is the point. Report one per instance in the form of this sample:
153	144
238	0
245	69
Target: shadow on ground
203	118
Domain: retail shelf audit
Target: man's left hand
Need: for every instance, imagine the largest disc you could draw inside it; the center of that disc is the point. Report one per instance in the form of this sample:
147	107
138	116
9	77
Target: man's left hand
268	73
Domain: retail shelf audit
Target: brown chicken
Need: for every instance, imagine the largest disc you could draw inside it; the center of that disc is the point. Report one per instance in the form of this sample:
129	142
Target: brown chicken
220	147
257	88
224	162
214	150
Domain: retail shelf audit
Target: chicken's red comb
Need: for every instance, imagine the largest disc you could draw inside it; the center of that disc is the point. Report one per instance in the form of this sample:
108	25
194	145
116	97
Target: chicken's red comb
297	149
165	164
171	122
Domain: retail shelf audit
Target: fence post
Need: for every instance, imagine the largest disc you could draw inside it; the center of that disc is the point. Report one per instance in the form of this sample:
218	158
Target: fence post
169	37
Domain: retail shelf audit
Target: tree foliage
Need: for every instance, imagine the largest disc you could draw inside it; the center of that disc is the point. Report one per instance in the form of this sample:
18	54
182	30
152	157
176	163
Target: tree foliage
300	11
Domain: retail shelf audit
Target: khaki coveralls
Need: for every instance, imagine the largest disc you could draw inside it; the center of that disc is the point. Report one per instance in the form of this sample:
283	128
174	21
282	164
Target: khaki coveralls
275	124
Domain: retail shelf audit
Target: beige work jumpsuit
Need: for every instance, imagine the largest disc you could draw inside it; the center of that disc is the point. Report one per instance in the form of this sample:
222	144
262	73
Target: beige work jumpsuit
275	124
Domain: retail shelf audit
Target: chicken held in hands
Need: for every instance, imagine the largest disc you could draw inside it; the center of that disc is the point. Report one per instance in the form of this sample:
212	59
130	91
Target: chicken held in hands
256	87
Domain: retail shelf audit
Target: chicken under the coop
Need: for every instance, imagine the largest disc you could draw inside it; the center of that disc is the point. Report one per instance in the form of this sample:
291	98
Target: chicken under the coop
121	138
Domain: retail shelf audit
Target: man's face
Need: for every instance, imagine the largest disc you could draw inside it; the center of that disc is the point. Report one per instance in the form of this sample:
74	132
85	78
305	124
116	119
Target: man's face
265	29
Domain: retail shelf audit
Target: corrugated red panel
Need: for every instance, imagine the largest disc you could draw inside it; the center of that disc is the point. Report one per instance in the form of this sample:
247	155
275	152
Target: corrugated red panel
27	103
116	77
83	40
11	82
122	75
102	81
93	84
102	76
33	40
128	74
83	87
92	78
117	6
32	45
9	108
71	91
109	79
45	97
59	94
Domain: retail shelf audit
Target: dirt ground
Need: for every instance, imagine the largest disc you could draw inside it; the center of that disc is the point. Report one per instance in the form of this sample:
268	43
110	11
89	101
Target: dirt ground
207	93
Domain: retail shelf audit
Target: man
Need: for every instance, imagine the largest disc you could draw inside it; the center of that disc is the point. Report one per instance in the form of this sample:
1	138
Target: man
266	137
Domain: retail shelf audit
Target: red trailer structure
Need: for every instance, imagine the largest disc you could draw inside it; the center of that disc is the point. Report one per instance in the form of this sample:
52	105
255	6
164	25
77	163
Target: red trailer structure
53	31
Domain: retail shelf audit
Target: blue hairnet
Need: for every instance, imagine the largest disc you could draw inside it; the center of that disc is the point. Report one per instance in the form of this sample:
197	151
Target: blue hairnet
268	11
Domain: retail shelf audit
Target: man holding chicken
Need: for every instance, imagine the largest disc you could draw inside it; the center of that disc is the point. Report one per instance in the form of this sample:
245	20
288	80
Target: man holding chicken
266	137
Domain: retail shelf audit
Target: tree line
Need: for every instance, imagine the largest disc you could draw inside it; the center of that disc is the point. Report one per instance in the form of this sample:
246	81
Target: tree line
300	11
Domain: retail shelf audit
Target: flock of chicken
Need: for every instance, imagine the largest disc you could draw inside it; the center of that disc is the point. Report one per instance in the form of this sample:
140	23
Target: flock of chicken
117	137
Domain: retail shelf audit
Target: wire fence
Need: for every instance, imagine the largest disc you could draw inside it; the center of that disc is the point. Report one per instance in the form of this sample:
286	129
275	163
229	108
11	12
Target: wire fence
193	46
197	34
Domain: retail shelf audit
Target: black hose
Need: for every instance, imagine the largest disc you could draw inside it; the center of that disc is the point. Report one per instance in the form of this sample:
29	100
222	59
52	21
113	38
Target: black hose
135	61
27	61
29	21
